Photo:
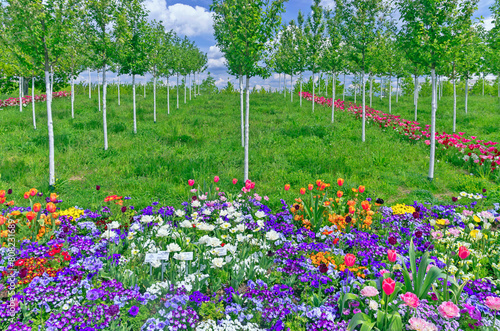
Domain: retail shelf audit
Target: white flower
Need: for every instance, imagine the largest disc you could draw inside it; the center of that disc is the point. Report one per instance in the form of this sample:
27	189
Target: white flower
432	222
231	248
272	235
223	213
240	237
135	227
113	225
65	307
195	204
373	305
135	251
164	231
205	239
180	213
479	235
260	214
205	226
471	226
233	230
487	225
214	242
108	234
155	263
186	224
260	223
241	227
207	212
130	235
173	247
257	229
464	194
218	262
225	226
147	219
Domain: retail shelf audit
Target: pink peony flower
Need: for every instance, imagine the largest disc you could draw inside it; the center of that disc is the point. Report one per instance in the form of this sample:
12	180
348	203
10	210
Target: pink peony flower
492	302
369	291
410	299
384	271
449	310
437	234
418	324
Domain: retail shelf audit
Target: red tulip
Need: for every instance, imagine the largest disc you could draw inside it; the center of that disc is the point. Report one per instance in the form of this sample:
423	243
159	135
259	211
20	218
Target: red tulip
26	195
302	191
349	260
36	207
235	181
287	187
388	285
361	189
216	179
30	215
463	252
51	208
340	181
53	197
310	187
391	255
191	182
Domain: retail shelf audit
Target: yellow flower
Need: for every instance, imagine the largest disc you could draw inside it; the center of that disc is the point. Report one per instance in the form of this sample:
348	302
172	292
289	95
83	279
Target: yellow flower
477	219
473	233
441	222
401	208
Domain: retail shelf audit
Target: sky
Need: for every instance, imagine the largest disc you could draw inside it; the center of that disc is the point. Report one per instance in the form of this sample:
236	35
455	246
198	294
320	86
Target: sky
192	18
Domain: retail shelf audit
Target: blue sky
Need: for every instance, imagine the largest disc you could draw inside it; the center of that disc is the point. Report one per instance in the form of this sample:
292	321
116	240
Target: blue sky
193	19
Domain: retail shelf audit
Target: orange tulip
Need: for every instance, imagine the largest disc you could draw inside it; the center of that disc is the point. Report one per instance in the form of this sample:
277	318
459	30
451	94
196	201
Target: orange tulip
30	215
2	201
33	192
2	193
365	204
53	197
2	220
340	181
26	195
319	182
287	187
361	189
352	209
10	203
340	194
51	208
55	215
310	187
36	207
302	191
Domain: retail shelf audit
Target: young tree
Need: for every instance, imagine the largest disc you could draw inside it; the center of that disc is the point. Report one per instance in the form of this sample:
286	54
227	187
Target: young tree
361	19
243	28
426	29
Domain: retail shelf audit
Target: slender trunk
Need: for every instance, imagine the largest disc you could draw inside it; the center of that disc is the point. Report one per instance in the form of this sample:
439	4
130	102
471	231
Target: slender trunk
333	99
381	87
168	96
343	90
313	93
104	122
98	91
279	82
390	95
90	86
33	100
242	113
51	80
415	96
300	97
483	84
20	95
154	95
466	93
133	101
397	89
355	93
190	87
291	88
118	90
438	88
52	176
72	97
433	125
185	85
454	101
247	128
319	83
284	85
363	105
177	90
371	90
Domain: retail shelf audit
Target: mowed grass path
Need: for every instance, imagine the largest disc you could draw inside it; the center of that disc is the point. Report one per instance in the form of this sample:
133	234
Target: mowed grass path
288	144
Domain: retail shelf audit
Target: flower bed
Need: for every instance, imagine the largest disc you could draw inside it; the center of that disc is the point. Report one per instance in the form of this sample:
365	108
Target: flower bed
26	100
334	258
469	152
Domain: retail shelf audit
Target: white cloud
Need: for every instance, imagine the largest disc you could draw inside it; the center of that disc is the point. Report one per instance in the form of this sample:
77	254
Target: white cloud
183	19
216	58
488	23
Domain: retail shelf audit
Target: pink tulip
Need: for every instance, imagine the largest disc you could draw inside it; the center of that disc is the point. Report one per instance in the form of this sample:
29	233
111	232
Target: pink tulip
216	179
492	302
191	182
449	310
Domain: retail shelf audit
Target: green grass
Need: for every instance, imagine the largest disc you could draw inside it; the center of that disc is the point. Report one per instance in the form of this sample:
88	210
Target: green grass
288	144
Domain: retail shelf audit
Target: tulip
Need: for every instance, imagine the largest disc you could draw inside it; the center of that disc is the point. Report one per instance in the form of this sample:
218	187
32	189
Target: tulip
323	268
9	191
2	193
340	181
53	197
51	208
2	201
191	182
361	189
97	187
463	252
302	191
340	194
310	187
33	192
216	179
391	255
349	260
30	215
388	285
26	195
124	209
235	181
287	187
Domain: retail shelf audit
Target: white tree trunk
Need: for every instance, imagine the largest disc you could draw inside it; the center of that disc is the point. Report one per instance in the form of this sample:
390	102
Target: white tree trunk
438	88
190	87
313	93
397	89
90	86
284	85
52	176
279	82
343	90
247	128
168	96
371	90
98	91
177	90
242	113
185	85
72	97
118	90
291	88
333	98
454	104
466	93
363	105
154	97
319	83
20	95
355	93
33	100
51	81
390	95
433	125
133	101
415	96
104	121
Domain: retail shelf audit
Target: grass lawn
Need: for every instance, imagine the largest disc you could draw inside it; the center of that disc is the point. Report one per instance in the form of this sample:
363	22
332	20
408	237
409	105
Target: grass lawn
288	144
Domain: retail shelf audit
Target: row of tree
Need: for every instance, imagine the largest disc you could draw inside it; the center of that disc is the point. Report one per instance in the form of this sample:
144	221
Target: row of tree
42	37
